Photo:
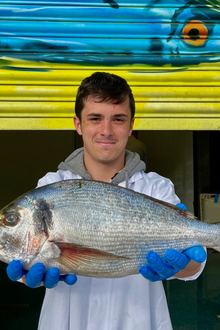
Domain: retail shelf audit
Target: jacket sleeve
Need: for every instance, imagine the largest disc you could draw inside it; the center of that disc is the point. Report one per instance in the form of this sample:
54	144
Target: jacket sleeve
159	187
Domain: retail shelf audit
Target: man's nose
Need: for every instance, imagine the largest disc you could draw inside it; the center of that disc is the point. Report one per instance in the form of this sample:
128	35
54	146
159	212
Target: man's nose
106	128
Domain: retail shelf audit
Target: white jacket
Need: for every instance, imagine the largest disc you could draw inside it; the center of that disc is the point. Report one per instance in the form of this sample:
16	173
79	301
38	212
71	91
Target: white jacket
130	303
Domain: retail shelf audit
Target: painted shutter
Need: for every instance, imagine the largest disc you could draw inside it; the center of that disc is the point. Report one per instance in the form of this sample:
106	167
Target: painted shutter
169	52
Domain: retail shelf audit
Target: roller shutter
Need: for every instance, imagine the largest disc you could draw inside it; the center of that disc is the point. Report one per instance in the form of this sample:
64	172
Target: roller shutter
169	52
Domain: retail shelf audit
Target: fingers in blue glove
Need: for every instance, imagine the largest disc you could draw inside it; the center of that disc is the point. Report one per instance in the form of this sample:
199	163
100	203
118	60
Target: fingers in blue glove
176	259
51	278
158	269
69	279
35	275
164	269
196	253
15	271
149	274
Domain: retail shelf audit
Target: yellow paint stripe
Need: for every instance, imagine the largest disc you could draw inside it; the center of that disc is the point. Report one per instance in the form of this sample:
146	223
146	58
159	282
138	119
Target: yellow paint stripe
19	63
36	124
134	77
177	124
147	93
143	110
179	109
38	109
140	124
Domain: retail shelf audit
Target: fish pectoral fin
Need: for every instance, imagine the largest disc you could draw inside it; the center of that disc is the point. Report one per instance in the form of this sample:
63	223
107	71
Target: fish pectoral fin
74	255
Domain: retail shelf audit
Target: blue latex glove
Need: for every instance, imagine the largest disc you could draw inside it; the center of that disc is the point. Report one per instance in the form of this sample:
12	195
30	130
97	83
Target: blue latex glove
37	274
159	269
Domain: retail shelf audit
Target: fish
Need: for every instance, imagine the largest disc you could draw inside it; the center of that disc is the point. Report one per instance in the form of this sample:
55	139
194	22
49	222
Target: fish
96	229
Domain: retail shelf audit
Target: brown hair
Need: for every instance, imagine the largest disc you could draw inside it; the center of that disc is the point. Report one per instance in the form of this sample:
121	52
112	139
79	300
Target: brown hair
105	87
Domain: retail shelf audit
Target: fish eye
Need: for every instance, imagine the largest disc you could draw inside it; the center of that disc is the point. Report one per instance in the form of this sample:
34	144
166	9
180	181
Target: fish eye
195	33
10	220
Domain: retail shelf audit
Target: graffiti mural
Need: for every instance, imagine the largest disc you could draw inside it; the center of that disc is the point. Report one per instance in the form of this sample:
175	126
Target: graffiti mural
183	32
38	38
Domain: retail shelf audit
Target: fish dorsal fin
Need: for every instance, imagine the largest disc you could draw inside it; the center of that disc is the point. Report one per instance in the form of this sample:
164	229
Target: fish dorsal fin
73	255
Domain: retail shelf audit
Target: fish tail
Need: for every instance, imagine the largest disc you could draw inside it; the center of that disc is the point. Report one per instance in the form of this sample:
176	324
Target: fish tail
217	245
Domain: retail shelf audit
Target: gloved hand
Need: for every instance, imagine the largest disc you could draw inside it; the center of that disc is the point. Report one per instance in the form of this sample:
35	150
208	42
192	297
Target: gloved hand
37	274
174	261
159	269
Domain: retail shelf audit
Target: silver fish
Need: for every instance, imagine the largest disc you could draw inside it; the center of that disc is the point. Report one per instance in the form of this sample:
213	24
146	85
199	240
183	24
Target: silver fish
95	229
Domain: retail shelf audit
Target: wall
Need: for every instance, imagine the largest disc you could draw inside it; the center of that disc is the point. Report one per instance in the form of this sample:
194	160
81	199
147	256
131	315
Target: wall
170	154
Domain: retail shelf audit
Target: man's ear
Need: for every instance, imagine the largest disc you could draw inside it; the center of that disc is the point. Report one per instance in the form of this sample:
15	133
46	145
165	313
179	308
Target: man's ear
77	125
131	129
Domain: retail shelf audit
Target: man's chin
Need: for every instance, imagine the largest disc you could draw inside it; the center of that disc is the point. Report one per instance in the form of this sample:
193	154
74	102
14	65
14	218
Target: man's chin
106	161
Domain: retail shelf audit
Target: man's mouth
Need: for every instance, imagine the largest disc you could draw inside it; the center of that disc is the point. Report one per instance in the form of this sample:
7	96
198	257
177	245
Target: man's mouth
105	142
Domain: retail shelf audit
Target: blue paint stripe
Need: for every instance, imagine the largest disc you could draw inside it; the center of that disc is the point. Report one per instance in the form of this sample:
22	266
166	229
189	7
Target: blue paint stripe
96	2
94	14
127	3
65	29
82	45
106	14
101	59
90	30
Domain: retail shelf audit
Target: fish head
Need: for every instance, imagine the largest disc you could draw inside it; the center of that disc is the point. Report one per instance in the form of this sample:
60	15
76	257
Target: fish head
21	231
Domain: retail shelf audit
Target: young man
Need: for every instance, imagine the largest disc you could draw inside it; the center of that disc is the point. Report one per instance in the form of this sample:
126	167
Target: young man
104	117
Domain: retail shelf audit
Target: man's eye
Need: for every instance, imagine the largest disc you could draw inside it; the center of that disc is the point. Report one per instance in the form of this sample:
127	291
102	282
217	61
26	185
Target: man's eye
119	120
95	119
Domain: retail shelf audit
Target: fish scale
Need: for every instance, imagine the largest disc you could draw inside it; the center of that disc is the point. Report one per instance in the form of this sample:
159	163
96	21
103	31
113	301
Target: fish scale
96	229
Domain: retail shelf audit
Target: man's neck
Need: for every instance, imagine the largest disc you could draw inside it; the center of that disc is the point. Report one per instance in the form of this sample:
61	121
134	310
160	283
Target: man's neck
101	171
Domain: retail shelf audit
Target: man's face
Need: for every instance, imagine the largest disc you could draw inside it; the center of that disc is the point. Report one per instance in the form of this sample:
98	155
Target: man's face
105	128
